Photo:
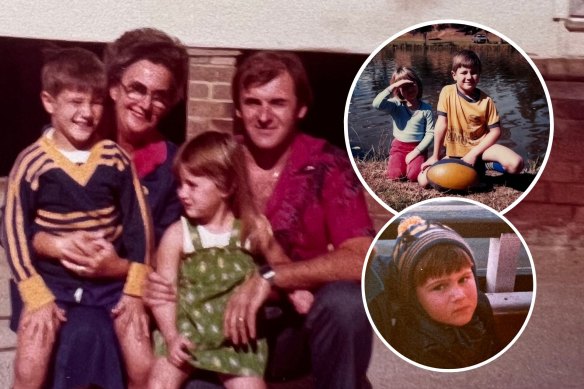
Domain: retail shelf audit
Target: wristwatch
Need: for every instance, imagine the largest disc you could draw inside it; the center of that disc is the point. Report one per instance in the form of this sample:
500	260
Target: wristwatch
268	274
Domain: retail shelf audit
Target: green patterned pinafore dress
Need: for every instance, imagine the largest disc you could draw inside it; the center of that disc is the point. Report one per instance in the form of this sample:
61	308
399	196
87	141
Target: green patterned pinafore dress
206	280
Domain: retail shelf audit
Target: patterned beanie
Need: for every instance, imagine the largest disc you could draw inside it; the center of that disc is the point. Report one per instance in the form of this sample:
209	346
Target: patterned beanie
416	236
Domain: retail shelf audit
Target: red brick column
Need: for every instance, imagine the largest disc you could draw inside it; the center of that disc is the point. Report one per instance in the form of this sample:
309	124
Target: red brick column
209	104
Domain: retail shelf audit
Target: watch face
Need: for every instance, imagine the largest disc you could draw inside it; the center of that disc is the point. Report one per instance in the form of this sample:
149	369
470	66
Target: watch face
267	273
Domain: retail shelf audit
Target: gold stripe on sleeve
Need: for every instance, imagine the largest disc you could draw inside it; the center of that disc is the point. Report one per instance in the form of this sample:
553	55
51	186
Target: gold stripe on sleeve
34	292
136	279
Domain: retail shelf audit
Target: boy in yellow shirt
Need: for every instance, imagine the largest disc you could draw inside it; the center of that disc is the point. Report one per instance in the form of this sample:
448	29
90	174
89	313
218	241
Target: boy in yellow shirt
468	123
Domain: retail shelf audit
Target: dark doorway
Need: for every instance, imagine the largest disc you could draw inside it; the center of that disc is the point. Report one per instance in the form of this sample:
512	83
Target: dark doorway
22	116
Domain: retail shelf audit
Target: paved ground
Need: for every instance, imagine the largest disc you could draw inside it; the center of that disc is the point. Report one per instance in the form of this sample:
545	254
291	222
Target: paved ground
549	353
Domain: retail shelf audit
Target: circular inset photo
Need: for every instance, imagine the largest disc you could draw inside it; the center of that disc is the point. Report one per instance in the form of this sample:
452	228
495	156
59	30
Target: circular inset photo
448	108
449	285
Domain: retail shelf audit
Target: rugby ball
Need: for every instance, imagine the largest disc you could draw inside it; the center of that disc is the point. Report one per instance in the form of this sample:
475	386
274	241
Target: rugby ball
452	174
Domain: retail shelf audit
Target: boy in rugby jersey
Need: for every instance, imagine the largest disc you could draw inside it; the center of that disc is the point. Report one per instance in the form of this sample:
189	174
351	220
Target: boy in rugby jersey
70	182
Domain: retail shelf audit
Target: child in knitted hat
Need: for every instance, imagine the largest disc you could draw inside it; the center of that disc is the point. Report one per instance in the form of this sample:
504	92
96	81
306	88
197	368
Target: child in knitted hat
441	319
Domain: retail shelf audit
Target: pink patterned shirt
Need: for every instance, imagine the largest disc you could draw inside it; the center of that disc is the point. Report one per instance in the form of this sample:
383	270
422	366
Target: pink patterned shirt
318	201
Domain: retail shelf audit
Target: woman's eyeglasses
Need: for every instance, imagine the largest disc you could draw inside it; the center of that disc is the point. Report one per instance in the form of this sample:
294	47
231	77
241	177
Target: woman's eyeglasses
138	92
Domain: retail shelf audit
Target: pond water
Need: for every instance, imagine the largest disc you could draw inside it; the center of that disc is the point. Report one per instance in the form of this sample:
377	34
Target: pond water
506	76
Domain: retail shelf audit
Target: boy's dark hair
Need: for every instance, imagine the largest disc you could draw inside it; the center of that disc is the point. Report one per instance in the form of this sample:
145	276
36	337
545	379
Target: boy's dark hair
262	67
440	260
468	59
152	45
423	250
72	68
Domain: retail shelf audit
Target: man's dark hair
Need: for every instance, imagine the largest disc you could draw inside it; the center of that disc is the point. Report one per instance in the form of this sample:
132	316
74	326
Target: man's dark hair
262	67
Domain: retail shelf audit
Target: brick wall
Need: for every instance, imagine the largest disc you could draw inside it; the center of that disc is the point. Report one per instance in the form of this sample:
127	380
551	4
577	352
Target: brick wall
210	106
557	200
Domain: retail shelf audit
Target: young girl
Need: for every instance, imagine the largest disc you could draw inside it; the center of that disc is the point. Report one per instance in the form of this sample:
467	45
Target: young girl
441	319
204	254
413	124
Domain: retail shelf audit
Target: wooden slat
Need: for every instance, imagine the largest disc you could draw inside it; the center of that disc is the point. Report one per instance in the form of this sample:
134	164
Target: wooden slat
502	263
470	221
506	303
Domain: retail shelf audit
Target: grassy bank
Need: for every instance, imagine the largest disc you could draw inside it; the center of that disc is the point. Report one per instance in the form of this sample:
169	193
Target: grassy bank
500	191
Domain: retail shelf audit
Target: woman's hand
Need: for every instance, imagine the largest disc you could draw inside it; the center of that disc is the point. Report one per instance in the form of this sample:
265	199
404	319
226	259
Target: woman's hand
101	262
74	246
239	320
158	290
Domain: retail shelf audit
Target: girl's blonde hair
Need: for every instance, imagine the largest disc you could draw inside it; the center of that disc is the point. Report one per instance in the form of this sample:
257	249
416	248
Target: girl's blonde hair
219	156
406	73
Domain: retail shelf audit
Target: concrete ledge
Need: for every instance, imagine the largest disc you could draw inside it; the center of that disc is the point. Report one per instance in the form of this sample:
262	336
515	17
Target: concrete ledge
504	303
561	68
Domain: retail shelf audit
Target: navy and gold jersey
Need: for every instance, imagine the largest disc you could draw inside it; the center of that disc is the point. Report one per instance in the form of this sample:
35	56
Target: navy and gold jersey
47	192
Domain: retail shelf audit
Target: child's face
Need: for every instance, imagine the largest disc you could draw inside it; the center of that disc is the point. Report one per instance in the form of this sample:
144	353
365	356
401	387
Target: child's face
409	91
200	197
74	116
450	299
466	79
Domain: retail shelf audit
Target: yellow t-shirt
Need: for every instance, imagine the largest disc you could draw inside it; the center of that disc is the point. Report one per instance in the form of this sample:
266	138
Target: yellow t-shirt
468	120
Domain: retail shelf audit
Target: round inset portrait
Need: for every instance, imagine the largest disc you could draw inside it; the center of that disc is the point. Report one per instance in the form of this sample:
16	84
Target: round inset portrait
448	109
449	284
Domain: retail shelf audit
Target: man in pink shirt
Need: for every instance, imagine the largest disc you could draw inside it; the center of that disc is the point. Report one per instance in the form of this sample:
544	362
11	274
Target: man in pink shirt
315	204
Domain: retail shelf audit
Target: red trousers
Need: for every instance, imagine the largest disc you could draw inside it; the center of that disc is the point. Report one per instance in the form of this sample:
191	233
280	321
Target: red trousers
397	167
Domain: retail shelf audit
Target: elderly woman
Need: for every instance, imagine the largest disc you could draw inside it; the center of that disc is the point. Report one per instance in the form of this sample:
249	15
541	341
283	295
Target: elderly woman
146	74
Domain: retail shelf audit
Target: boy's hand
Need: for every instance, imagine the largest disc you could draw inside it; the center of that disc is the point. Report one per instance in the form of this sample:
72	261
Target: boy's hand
411	155
129	311
302	300
470	158
429	162
41	325
178	350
